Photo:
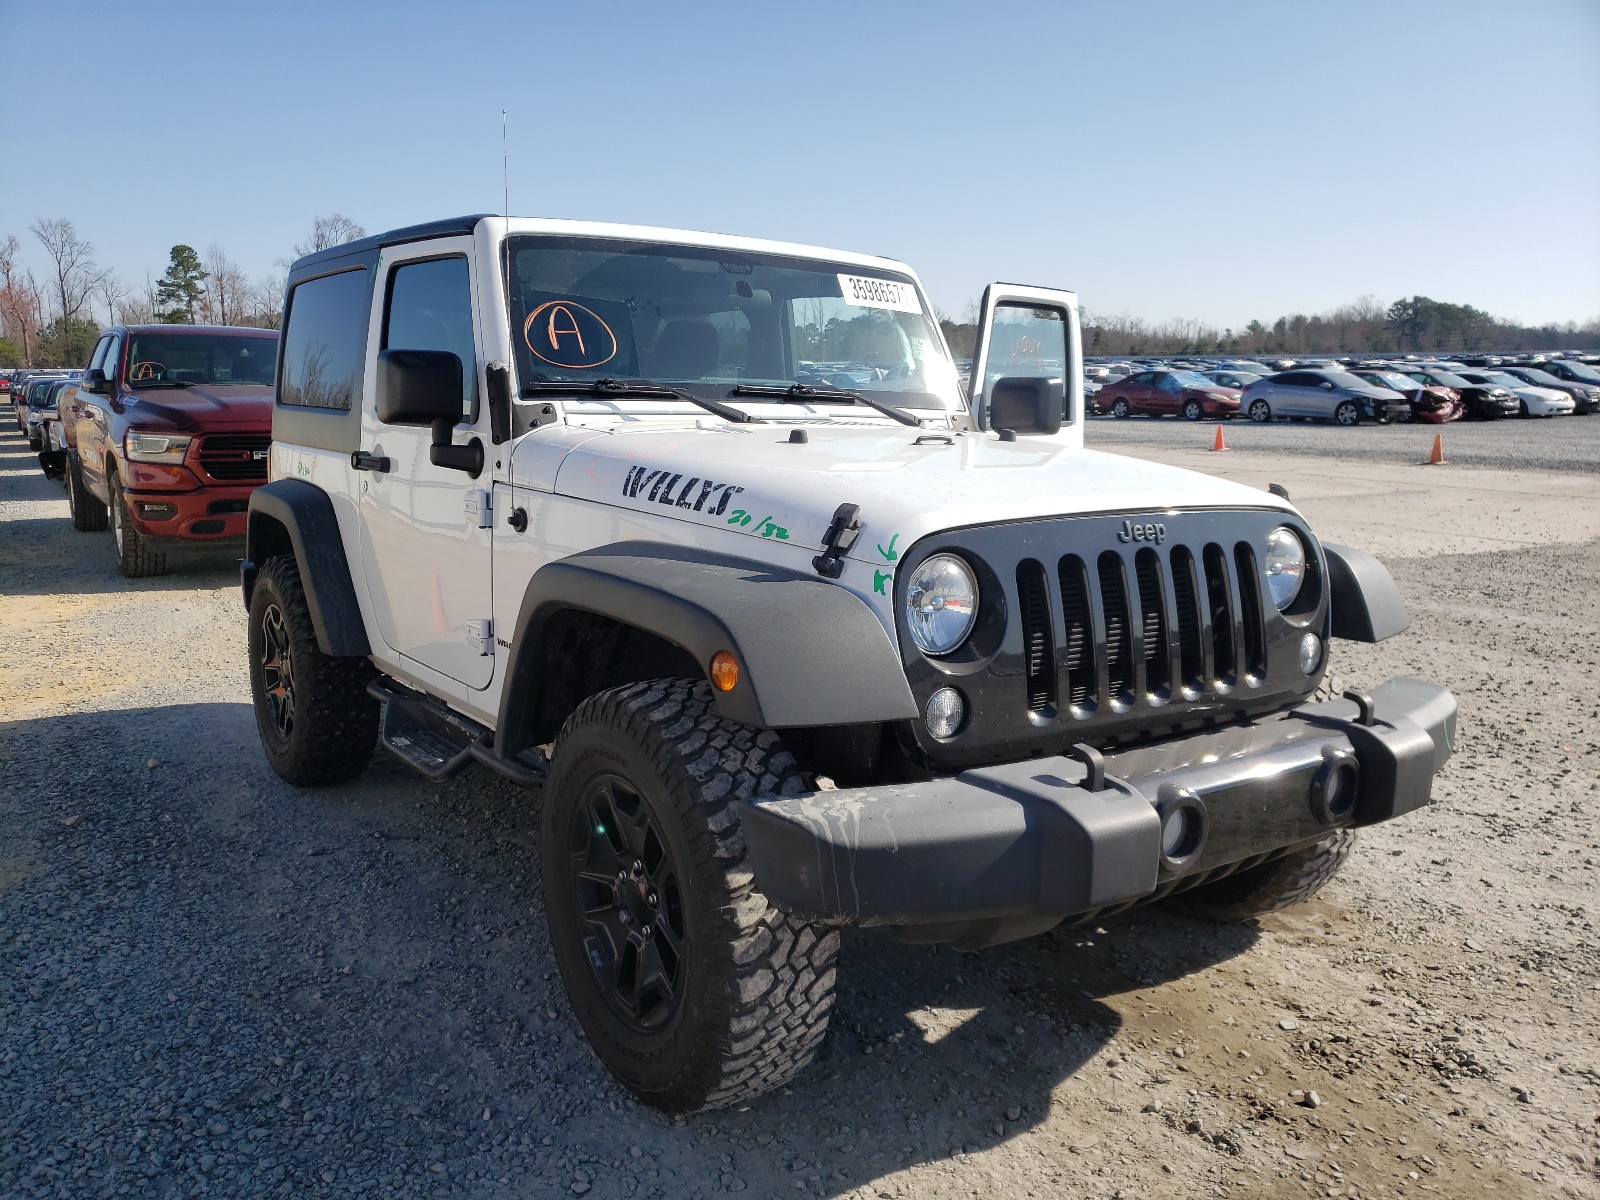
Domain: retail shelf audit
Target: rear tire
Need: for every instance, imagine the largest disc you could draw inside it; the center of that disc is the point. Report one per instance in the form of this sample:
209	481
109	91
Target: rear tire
135	557
1286	881
317	723
693	990
88	514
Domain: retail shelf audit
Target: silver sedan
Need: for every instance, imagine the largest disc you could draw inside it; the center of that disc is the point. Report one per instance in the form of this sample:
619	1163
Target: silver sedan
1322	396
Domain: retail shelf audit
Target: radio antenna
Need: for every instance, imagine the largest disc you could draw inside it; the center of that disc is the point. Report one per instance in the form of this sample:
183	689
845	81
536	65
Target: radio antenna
505	166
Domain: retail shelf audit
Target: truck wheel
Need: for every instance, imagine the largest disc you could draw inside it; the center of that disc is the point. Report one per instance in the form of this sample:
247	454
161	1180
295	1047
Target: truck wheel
88	514
694	991
135	558
317	723
1273	885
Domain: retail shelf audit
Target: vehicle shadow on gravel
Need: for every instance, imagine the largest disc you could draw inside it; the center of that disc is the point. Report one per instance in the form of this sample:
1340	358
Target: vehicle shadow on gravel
377	953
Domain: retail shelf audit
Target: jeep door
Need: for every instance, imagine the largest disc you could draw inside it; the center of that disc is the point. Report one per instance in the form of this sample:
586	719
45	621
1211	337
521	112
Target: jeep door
425	536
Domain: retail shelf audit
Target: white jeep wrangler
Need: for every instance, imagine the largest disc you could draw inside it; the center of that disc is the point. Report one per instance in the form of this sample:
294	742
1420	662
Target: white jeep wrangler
702	538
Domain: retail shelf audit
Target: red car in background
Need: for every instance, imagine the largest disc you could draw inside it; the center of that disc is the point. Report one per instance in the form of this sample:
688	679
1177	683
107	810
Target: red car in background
1157	393
1430	403
172	425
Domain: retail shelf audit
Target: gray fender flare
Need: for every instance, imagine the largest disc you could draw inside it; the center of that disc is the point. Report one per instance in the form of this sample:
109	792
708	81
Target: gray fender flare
305	514
1365	603
810	653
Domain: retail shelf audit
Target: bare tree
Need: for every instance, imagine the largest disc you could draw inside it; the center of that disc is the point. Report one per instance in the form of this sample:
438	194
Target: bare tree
75	272
329	231
112	291
227	290
266	300
21	306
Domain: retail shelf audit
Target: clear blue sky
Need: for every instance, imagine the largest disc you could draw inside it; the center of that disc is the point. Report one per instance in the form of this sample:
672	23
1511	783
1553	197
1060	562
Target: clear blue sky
1165	159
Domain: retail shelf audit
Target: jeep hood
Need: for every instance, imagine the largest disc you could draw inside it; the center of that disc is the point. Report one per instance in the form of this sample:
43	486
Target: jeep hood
201	408
753	480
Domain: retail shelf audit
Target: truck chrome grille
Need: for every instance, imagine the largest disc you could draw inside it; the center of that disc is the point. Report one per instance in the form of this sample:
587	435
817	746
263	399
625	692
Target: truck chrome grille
235	457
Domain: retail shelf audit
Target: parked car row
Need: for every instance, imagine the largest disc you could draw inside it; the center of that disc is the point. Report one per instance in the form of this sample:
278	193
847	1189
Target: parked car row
161	438
1379	390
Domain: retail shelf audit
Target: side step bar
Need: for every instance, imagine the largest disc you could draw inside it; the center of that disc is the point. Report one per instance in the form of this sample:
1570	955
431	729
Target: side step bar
438	743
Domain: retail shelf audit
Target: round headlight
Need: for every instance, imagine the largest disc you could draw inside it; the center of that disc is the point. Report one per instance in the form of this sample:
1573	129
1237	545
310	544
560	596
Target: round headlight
941	604
1284	565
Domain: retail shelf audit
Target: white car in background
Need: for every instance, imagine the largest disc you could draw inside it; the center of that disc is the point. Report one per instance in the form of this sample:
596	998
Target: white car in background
1535	401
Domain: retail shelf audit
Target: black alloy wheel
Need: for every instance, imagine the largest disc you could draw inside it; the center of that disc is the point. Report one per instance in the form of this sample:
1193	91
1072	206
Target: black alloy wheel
629	902
277	671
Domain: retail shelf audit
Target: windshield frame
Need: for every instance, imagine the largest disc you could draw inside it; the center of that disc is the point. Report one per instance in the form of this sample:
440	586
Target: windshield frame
737	264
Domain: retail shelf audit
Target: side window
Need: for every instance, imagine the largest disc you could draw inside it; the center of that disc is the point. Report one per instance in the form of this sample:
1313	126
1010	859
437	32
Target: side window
324	331
430	308
113	358
99	355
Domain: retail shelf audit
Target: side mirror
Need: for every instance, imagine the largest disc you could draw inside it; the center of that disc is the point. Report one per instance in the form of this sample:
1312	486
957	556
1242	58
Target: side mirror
1027	405
1326	384
424	387
95	382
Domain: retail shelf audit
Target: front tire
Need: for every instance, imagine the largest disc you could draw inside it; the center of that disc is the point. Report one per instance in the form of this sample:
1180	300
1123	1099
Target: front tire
317	724
1260	412
1120	409
1285	881
695	992
136	559
1347	414
1192	410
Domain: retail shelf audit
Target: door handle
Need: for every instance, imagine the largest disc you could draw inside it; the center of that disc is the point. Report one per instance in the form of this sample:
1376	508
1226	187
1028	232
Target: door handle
363	461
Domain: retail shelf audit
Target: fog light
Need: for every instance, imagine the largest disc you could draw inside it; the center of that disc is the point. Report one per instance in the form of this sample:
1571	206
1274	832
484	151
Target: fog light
945	712
1310	653
1335	788
1183	828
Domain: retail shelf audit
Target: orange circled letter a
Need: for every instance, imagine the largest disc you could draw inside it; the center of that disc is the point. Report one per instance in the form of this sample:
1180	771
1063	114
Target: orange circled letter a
555	334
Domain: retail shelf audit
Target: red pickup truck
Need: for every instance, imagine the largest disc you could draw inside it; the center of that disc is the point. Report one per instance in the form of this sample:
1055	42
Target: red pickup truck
168	435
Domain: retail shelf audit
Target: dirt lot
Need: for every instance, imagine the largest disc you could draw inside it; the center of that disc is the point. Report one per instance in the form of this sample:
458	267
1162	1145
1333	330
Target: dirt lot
211	984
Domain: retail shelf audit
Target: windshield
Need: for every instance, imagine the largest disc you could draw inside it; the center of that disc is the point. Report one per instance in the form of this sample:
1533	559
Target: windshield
1502	379
1193	379
1538	378
1390	379
1449	380
177	359
1584	372
708	320
1345	380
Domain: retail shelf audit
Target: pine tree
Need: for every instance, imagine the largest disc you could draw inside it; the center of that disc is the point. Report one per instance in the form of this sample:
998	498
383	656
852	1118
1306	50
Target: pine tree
181	287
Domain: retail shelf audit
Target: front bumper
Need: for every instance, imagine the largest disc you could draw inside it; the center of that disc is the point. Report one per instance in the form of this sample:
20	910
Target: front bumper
209	514
1024	845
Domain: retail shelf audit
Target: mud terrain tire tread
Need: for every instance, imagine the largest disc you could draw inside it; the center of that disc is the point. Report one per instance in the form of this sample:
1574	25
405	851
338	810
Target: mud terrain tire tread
88	514
135	558
336	721
764	987
1279	884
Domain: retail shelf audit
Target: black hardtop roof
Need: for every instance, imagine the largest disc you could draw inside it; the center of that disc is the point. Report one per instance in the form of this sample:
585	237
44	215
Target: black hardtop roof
395	237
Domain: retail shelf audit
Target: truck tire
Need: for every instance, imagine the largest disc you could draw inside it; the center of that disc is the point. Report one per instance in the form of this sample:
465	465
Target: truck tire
695	992
135	557
88	514
317	723
1273	885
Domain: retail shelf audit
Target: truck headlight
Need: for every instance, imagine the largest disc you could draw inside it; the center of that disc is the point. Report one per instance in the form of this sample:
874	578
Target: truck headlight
941	604
1284	565
156	447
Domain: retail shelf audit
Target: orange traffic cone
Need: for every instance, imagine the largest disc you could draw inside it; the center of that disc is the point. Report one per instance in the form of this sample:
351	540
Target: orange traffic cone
1436	459
1219	444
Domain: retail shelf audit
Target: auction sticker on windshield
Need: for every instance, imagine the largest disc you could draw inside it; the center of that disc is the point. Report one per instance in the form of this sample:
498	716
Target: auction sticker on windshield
865	292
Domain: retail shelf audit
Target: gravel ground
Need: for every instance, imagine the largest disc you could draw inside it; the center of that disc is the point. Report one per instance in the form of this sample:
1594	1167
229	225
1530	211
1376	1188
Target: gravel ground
214	985
1550	444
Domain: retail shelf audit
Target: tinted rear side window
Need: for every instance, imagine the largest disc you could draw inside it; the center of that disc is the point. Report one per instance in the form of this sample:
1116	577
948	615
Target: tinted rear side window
324	335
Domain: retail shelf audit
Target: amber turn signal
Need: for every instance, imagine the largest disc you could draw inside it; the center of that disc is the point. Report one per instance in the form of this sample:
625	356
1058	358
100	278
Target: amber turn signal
724	671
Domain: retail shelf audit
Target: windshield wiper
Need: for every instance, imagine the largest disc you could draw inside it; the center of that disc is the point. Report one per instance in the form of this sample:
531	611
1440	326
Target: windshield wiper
802	393
604	389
